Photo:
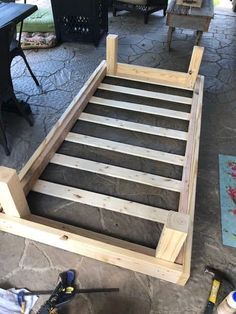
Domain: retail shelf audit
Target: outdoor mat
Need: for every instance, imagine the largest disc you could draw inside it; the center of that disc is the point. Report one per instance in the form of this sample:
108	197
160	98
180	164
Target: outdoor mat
227	165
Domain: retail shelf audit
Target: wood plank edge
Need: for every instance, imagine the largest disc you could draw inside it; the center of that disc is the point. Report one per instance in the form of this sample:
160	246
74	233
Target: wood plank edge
169	158
142	73
146	93
185	258
148	81
117	172
150	110
134	126
123	207
58	133
83	242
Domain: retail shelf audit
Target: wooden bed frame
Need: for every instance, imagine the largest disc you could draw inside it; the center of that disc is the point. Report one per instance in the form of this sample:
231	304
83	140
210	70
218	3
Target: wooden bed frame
171	260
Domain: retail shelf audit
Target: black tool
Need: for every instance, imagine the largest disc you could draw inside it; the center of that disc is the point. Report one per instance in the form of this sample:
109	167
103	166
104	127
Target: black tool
64	292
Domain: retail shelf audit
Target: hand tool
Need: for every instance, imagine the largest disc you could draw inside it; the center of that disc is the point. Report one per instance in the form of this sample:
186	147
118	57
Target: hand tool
218	277
21	301
64	292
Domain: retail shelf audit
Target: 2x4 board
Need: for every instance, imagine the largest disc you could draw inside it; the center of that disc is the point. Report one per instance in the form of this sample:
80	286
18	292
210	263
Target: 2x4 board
171	258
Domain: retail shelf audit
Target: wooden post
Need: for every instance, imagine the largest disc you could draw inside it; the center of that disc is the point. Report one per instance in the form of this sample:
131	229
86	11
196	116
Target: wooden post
12	197
111	51
169	36
173	236
195	64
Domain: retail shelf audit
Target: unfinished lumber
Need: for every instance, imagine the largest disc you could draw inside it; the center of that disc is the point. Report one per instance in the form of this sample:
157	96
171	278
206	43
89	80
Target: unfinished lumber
153	76
111	53
170	258
140	108
92	244
195	64
117	172
12	197
133	126
145	93
125	148
159	76
191	160
39	160
184	257
102	201
173	236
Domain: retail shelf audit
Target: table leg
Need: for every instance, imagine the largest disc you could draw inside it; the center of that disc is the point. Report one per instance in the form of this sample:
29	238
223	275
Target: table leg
13	105
169	36
8	101
198	38
3	136
20	107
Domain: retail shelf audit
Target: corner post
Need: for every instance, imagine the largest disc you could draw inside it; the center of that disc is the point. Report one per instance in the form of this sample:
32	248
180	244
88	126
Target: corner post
12	197
173	236
111	53
194	65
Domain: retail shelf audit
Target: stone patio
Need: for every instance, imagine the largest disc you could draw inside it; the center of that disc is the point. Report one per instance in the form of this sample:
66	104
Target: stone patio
62	72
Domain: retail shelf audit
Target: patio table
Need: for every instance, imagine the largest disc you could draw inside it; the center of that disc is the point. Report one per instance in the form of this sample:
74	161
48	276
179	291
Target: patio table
15	12
188	17
11	14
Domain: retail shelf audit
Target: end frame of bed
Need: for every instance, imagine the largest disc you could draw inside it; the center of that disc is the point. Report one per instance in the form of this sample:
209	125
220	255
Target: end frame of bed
171	261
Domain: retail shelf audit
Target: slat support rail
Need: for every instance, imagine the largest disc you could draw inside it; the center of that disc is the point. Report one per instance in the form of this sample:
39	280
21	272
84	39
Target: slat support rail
98	200
188	195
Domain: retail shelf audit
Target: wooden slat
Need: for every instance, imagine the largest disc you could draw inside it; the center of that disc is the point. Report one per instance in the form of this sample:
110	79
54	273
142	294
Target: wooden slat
39	160
153	76
145	93
140	108
92	244
102	201
125	148
117	172
133	126
148	80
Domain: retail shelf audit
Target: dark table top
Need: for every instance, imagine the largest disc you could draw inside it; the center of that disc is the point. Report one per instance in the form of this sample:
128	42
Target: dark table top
15	12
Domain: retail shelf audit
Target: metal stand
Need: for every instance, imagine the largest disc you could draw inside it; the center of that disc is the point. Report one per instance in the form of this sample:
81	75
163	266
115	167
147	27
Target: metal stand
8	101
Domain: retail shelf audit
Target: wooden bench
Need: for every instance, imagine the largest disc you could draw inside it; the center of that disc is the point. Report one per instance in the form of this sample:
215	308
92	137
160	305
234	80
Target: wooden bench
171	258
188	17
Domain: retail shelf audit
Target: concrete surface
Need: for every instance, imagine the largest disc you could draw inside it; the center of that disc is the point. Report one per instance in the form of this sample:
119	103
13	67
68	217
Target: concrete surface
62	72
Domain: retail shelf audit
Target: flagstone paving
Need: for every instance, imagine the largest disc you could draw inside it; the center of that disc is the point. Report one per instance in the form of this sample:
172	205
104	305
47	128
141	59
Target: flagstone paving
62	72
